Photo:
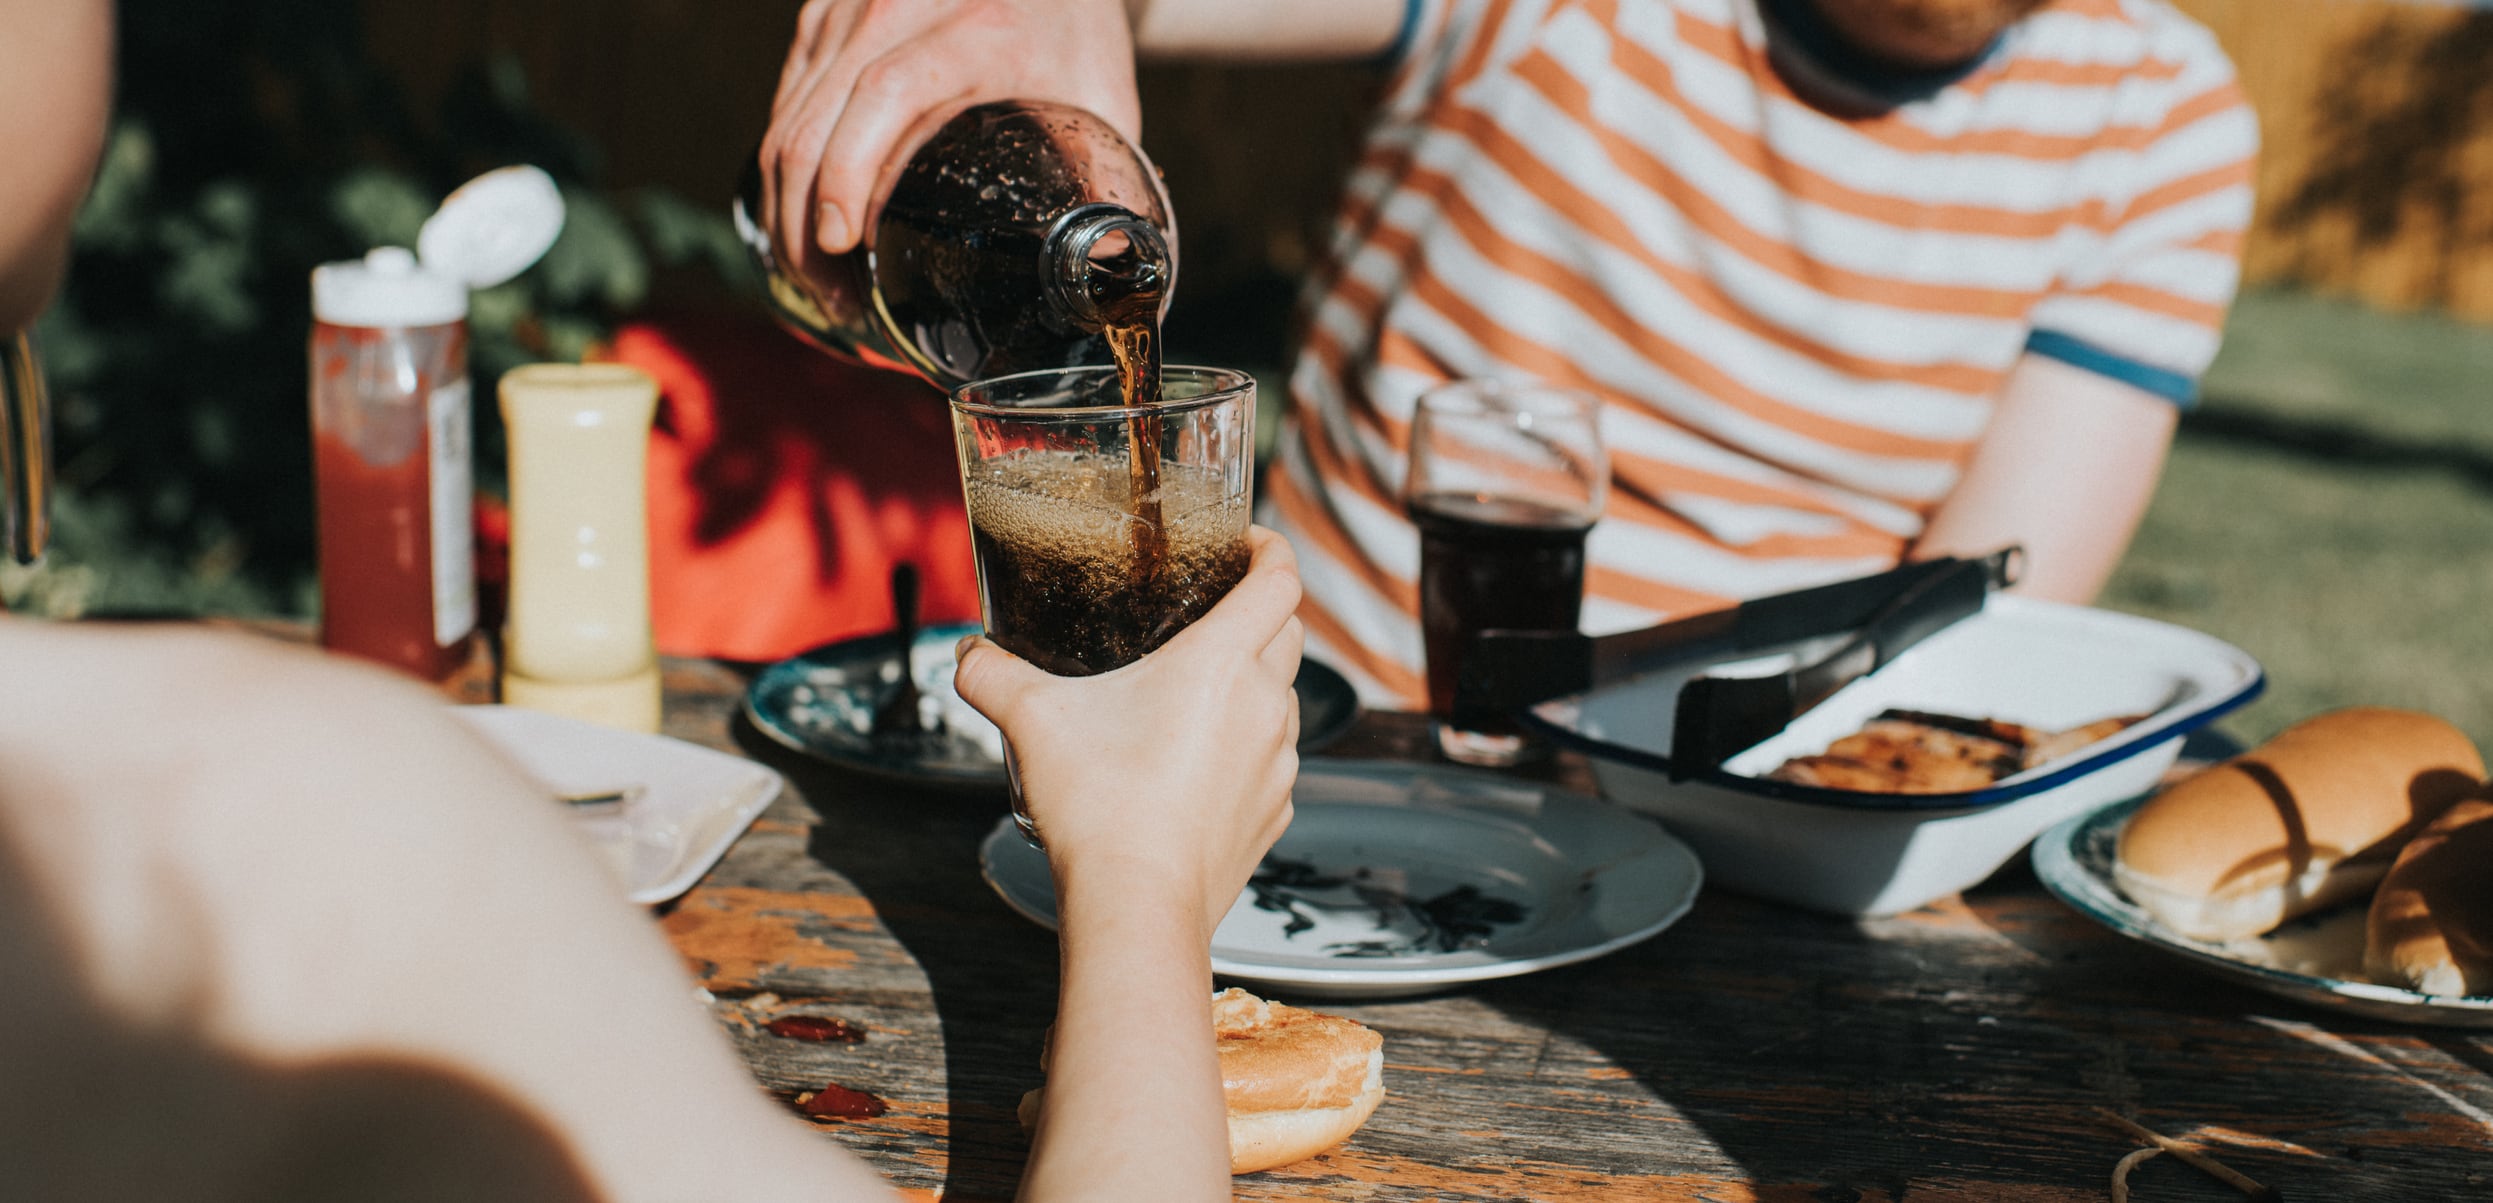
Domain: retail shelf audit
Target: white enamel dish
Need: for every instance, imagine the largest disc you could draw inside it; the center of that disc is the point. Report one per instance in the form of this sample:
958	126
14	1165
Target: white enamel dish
1853	853
2317	961
1398	879
683	803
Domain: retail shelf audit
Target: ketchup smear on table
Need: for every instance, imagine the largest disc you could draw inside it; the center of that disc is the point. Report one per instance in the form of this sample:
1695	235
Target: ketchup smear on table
835	1101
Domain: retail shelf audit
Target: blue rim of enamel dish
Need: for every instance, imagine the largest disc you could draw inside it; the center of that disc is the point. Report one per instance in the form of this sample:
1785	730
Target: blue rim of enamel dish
2152	731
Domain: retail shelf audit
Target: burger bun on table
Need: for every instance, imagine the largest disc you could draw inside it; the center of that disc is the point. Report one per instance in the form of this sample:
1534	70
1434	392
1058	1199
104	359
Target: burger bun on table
2431	924
2311	818
1296	1082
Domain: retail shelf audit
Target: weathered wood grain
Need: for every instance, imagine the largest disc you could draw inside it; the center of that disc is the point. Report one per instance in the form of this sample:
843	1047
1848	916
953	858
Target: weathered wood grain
1752	1052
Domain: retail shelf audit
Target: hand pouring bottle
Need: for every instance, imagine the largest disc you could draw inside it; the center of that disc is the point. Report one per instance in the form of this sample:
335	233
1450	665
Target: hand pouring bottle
1008	240
391	428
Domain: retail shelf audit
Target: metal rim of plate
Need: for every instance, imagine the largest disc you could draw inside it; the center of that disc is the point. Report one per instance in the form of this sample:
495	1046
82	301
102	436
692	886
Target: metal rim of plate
1612	879
1328	706
2074	861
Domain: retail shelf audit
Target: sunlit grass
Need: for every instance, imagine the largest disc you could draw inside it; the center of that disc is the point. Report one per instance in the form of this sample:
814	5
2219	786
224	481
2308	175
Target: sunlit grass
2357	564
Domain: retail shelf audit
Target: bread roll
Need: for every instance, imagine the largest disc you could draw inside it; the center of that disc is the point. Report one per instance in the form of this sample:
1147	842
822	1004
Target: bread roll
1297	1083
2309	818
2431	927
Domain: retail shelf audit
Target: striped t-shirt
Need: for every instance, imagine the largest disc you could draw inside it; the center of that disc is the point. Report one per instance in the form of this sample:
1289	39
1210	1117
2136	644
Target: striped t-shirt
1798	315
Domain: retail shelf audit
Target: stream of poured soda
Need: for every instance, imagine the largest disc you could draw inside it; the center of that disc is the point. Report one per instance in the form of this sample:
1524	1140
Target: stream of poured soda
1133	329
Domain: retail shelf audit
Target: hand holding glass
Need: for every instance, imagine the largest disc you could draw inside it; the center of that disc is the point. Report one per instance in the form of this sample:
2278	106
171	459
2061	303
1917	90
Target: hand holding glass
1103	529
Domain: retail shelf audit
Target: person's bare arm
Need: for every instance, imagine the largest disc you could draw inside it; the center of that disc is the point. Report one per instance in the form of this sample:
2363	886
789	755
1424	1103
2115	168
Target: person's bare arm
2066	469
308	934
1157	787
865	79
55	91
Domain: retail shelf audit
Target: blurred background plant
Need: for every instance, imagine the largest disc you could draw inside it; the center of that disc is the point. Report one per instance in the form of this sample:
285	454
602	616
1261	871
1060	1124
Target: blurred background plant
253	140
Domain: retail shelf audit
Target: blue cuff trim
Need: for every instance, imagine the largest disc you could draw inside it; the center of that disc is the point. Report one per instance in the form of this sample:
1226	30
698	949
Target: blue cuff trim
2173	386
1403	36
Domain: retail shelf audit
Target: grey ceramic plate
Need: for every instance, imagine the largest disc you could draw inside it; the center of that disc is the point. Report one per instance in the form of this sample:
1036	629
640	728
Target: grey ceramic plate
2317	961
1401	879
823	701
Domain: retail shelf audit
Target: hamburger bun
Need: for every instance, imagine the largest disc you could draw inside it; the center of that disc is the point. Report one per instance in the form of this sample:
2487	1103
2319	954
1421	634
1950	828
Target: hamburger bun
1296	1082
2307	819
2431	926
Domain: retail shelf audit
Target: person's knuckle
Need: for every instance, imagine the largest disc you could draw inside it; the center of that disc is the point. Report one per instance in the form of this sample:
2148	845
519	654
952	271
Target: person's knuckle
990	16
874	17
889	79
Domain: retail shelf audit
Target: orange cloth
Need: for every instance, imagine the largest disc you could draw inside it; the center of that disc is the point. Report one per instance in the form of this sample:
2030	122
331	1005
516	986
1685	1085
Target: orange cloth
784	485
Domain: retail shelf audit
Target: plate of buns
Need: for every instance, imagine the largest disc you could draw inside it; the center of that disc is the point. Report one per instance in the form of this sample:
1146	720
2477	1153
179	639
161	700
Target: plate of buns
2346	863
1397	879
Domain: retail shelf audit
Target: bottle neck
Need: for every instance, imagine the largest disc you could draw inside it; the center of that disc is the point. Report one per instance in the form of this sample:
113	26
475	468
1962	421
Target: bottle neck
1105	265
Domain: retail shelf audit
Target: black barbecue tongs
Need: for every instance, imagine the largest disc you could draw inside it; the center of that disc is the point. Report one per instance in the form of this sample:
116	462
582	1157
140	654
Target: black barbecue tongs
1719	717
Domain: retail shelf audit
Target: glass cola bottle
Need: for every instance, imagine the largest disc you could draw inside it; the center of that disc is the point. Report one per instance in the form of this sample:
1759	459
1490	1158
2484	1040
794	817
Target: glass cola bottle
1012	237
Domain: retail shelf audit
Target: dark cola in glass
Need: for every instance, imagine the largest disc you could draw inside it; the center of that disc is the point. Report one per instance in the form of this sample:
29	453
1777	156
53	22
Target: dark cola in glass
1505	482
1084	564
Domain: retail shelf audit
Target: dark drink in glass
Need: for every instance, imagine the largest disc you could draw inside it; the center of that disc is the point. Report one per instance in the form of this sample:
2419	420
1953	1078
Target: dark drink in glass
1103	528
1505	481
1492	563
1059	577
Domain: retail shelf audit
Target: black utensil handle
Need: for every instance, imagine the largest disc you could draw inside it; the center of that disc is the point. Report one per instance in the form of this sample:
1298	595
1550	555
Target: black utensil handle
905	597
1719	718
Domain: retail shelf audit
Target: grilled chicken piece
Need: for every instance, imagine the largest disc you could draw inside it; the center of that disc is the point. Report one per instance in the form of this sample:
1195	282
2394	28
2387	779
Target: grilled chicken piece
1900	756
1919	752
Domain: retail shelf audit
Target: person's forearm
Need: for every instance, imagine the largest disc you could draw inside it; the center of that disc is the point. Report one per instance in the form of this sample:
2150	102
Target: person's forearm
1132	1108
1267	29
2066	471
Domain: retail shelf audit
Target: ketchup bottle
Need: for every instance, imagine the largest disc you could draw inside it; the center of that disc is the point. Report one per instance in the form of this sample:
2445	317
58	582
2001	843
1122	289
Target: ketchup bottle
391	427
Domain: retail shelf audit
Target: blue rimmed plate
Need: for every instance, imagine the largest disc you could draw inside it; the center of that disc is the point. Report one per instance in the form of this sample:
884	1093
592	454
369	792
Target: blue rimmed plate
1398	879
2316	960
822	703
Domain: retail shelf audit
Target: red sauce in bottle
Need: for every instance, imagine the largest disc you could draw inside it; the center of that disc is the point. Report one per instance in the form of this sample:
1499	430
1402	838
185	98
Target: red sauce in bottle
390	457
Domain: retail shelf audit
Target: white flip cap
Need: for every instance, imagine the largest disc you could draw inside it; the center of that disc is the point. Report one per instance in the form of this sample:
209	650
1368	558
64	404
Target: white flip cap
386	288
493	227
488	231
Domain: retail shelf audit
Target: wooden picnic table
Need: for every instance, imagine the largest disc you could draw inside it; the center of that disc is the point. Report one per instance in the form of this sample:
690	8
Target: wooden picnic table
1752	1051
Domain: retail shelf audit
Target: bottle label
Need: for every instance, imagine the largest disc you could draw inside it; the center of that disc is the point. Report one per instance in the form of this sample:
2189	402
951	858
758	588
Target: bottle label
454	520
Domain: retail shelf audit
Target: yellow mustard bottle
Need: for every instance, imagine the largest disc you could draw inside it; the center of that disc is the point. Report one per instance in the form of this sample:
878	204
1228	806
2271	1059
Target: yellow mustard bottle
577	640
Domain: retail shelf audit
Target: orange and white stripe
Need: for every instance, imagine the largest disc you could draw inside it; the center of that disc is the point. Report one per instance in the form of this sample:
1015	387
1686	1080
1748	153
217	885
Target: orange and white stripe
1798	322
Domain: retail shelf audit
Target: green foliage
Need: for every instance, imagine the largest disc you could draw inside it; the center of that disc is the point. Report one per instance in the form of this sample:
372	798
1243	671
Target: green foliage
253	141
2329	510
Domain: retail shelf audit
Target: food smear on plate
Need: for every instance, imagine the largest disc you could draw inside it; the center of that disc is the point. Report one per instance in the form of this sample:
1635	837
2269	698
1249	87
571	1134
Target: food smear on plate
1922	752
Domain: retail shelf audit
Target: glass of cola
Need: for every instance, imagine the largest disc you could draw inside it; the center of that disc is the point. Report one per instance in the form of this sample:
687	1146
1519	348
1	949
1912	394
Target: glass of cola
1505	481
1102	529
